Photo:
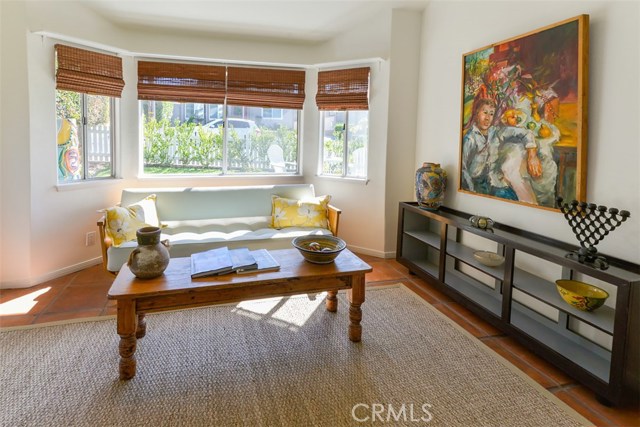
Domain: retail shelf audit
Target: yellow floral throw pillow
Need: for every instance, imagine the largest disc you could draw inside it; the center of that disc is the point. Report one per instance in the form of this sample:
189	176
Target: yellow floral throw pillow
123	222
300	213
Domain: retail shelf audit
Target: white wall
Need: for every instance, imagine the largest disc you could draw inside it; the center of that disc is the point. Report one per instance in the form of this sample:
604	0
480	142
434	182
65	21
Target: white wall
1	151
402	122
44	227
613	173
15	179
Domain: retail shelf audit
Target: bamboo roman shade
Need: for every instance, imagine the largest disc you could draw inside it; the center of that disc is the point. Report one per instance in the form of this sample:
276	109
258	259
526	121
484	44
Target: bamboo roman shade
89	72
343	89
180	82
265	87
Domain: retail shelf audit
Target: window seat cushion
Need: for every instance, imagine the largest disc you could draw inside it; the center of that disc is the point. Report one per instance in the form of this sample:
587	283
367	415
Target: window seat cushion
187	239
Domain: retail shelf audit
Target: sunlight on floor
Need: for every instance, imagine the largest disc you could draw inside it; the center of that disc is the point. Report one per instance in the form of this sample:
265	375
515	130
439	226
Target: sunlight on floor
278	310
23	304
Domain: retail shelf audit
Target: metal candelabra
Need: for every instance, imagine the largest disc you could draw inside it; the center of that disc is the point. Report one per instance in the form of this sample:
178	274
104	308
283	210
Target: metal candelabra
591	223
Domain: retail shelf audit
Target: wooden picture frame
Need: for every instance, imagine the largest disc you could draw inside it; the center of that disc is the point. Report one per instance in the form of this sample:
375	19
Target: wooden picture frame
523	131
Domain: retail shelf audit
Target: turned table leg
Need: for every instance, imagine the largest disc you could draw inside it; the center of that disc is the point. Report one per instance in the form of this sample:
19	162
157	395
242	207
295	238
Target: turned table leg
356	298
141	329
127	325
332	301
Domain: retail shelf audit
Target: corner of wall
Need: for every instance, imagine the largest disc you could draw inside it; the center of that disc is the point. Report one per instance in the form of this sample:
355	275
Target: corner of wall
15	181
404	73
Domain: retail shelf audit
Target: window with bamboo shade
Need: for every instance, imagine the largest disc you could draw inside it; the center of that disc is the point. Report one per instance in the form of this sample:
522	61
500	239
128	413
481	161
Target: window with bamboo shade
343	101
85	71
87	84
219	120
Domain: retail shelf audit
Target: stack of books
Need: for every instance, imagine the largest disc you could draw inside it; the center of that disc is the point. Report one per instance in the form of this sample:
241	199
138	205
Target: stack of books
223	260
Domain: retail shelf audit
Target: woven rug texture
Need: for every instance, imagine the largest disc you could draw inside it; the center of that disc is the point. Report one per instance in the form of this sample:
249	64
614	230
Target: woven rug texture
273	362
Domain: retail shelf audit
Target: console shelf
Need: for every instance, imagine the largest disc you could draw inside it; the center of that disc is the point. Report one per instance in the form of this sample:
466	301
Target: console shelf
431	239
603	318
598	348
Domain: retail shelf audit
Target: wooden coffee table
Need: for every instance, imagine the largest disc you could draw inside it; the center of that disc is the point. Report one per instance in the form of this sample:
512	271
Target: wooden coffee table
176	290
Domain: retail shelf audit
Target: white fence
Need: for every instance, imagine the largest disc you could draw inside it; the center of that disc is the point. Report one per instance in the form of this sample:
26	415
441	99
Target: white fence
99	150
99	143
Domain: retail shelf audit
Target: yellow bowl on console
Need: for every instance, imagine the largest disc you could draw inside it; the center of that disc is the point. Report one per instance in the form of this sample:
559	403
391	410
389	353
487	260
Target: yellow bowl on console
580	295
319	249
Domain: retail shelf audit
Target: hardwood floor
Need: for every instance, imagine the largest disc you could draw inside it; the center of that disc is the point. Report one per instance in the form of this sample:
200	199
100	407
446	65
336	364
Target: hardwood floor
83	294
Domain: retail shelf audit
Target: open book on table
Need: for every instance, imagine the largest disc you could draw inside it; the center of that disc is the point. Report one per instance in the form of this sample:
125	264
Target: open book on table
219	261
264	262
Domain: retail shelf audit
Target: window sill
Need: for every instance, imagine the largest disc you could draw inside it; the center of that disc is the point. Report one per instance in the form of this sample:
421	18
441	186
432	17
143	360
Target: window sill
83	185
216	177
350	179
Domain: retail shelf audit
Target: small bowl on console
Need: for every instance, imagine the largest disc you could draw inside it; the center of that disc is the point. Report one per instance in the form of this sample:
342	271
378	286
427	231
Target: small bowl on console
319	249
580	295
490	259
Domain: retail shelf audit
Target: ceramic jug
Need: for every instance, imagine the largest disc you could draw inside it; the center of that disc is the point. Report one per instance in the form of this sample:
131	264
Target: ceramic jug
431	182
151	257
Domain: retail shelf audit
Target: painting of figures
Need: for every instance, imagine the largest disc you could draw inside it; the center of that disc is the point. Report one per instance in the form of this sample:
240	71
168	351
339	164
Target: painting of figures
524	111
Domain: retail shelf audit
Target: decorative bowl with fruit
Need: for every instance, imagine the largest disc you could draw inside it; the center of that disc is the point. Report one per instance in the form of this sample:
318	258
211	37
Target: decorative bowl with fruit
319	249
580	295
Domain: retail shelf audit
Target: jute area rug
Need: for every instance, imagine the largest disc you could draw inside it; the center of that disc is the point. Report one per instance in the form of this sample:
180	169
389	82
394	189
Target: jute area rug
275	362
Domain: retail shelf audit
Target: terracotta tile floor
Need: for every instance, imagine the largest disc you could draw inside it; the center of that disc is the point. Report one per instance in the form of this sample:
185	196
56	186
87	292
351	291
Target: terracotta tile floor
83	294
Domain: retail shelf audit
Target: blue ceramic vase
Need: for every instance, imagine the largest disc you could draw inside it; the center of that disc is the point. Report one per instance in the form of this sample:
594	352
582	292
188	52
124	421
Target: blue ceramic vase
431	182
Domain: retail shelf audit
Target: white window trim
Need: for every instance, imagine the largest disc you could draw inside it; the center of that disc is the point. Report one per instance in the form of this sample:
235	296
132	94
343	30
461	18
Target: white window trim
224	175
345	155
114	106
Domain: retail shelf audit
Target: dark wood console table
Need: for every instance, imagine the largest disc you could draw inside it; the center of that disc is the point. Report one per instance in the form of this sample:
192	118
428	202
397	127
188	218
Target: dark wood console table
601	349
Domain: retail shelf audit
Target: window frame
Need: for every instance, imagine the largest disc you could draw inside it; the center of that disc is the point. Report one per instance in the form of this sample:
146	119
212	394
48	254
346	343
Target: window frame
345	148
112	137
225	148
83	133
226	118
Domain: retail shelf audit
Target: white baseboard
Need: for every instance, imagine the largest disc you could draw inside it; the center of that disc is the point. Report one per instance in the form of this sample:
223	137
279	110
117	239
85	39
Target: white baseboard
372	252
26	283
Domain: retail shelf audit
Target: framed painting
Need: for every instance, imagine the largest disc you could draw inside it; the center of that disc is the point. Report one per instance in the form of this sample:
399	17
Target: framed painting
524	116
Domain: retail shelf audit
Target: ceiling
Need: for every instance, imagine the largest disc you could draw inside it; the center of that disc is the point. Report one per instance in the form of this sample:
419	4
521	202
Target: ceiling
308	21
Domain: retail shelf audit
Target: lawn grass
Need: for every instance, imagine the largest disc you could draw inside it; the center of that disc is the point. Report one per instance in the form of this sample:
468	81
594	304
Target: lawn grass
172	170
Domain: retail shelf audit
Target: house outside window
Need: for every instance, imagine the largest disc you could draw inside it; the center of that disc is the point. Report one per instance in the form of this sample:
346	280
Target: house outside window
85	130
345	136
272	113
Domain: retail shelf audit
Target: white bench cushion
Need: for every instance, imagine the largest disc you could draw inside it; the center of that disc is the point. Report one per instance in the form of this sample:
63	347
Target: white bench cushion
202	218
188	238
